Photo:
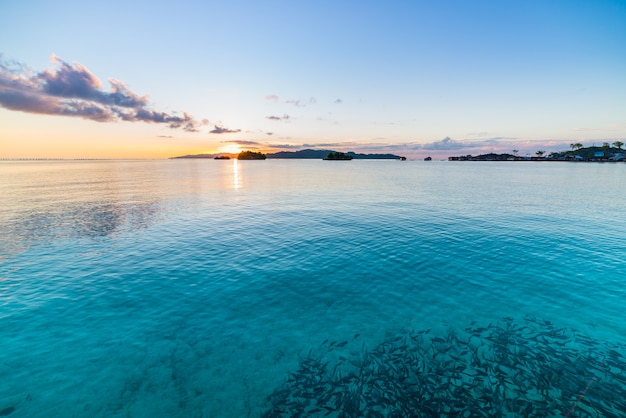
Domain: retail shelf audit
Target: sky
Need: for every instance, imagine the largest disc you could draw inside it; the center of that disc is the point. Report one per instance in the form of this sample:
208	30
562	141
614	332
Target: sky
150	79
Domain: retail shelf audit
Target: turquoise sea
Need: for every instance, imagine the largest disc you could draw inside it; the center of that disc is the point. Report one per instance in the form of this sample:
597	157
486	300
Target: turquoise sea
202	288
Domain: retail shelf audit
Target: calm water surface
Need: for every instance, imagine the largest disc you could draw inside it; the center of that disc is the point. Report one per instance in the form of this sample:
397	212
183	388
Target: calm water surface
195	287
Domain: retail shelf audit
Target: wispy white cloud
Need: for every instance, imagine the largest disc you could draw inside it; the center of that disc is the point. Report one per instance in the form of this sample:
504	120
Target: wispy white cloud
582	129
278	118
295	102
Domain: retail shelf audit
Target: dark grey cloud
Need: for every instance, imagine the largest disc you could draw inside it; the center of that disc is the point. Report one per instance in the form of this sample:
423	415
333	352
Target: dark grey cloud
73	90
221	130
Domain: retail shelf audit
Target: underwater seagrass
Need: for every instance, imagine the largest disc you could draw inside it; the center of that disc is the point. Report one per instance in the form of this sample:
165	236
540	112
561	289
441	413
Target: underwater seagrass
506	369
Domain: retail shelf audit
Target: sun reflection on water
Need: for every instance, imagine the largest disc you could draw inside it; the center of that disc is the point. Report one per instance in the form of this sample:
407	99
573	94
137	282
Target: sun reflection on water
236	177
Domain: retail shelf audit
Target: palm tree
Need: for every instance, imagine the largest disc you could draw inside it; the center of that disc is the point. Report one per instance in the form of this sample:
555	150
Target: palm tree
605	145
576	146
540	153
618	144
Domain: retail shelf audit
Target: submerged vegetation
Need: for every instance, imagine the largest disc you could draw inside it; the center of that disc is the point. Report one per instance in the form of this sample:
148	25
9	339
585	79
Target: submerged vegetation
509	368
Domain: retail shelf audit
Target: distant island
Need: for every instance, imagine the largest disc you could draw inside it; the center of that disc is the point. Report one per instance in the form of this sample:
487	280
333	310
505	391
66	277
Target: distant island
200	156
301	154
322	154
604	153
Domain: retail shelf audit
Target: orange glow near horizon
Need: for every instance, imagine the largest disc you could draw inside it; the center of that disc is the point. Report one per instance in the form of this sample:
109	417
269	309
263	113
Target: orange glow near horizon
230	149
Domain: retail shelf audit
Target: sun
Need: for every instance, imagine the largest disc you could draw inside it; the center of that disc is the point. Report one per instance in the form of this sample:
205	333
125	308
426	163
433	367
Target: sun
230	149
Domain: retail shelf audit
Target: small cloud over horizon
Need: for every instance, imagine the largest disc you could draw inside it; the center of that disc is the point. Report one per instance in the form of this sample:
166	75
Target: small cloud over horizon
241	142
278	118
301	102
221	130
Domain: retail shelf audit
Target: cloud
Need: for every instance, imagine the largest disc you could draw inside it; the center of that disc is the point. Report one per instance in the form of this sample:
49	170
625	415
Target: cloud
448	143
478	134
73	90
242	142
588	129
246	144
77	82
445	144
221	130
283	117
332	144
296	102
302	103
286	146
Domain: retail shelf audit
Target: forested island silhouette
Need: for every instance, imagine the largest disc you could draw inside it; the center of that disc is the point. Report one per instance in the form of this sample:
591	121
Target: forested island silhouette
312	154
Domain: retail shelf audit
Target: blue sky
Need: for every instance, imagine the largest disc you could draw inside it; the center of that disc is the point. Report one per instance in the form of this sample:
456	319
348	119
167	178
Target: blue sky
413	77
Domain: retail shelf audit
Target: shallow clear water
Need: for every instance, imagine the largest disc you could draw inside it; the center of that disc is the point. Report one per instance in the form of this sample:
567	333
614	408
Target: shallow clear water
195	287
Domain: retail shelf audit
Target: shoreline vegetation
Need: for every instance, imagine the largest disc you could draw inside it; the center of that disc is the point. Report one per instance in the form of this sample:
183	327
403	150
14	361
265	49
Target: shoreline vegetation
604	153
338	156
250	155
